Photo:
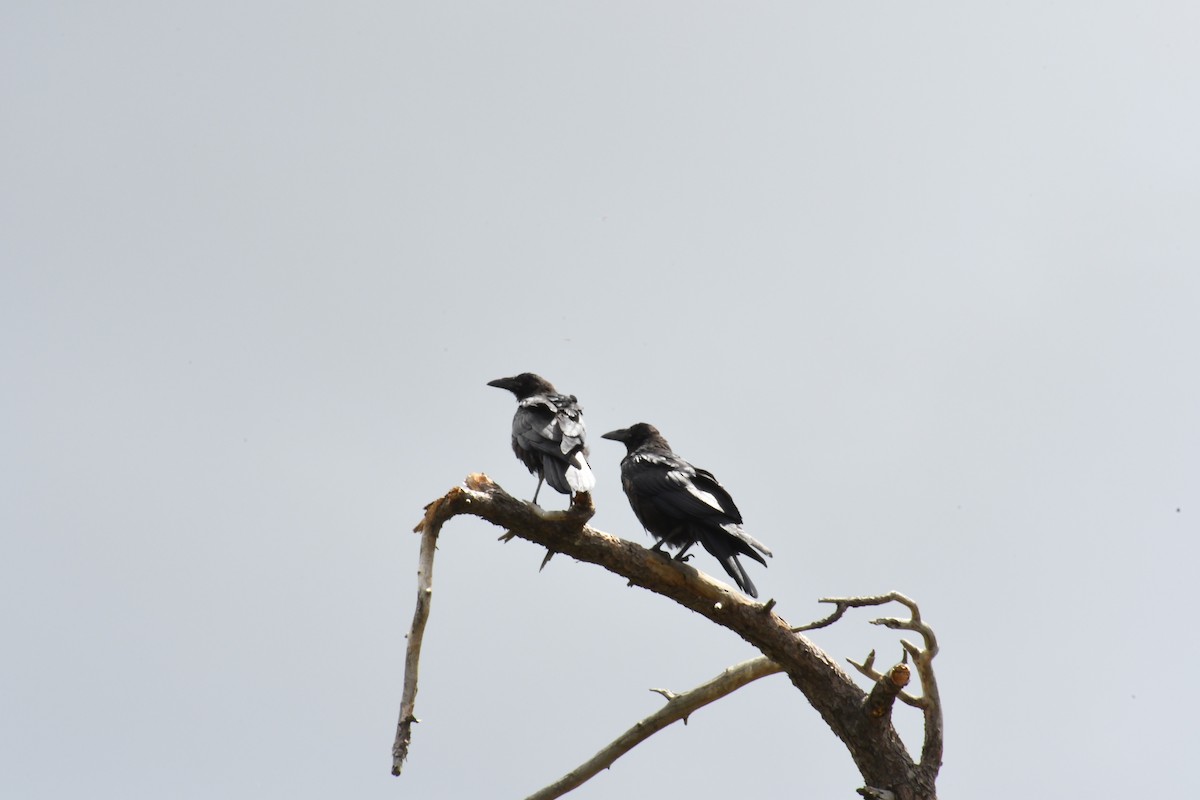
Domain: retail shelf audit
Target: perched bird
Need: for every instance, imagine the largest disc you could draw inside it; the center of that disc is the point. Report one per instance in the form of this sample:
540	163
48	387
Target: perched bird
681	505
548	434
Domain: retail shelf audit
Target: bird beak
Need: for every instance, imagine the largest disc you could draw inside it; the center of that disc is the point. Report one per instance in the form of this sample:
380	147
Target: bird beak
502	383
619	435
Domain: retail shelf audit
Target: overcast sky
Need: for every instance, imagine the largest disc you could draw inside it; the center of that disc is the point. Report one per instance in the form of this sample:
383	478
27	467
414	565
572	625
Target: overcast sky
920	283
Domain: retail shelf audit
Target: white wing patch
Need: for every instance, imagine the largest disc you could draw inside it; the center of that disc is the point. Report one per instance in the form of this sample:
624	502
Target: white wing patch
683	479
704	497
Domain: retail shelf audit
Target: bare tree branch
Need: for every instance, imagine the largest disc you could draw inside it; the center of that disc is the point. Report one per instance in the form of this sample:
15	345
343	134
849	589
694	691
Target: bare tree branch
886	689
930	701
429	527
825	621
867	669
873	744
678	707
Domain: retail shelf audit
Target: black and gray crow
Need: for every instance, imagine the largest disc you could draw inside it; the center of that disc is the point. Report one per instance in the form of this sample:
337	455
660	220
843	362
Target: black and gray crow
681	505
548	434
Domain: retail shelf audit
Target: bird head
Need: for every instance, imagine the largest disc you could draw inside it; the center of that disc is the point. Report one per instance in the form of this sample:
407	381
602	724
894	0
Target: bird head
634	436
524	385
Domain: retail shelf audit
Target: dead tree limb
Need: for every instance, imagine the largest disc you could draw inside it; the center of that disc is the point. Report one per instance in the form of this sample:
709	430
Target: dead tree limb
678	707
883	694
873	743
867	669
429	528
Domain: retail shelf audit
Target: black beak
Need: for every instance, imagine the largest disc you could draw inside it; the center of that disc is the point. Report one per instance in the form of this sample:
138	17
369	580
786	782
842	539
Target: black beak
502	383
619	435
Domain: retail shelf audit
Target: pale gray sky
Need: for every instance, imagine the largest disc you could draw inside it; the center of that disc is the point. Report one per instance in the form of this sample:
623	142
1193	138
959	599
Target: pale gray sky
919	282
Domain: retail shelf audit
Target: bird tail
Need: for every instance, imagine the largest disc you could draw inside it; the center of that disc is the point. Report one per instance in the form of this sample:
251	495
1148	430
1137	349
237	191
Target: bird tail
569	477
726	550
738	573
580	476
747	544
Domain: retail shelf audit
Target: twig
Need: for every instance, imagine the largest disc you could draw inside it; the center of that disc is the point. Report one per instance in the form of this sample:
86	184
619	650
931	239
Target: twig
678	707
429	528
930	701
825	622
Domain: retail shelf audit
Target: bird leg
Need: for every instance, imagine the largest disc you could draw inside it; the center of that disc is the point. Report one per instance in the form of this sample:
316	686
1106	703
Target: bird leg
658	548
682	554
538	489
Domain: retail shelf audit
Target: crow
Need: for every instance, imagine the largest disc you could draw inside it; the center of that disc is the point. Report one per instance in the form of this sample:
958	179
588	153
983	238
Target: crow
681	505
548	434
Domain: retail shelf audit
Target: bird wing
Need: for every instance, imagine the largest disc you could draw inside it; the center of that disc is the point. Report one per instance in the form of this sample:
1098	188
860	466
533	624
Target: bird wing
706	483
551	424
669	487
668	484
569	418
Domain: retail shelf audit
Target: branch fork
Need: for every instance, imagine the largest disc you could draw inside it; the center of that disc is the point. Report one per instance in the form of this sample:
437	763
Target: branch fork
888	686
